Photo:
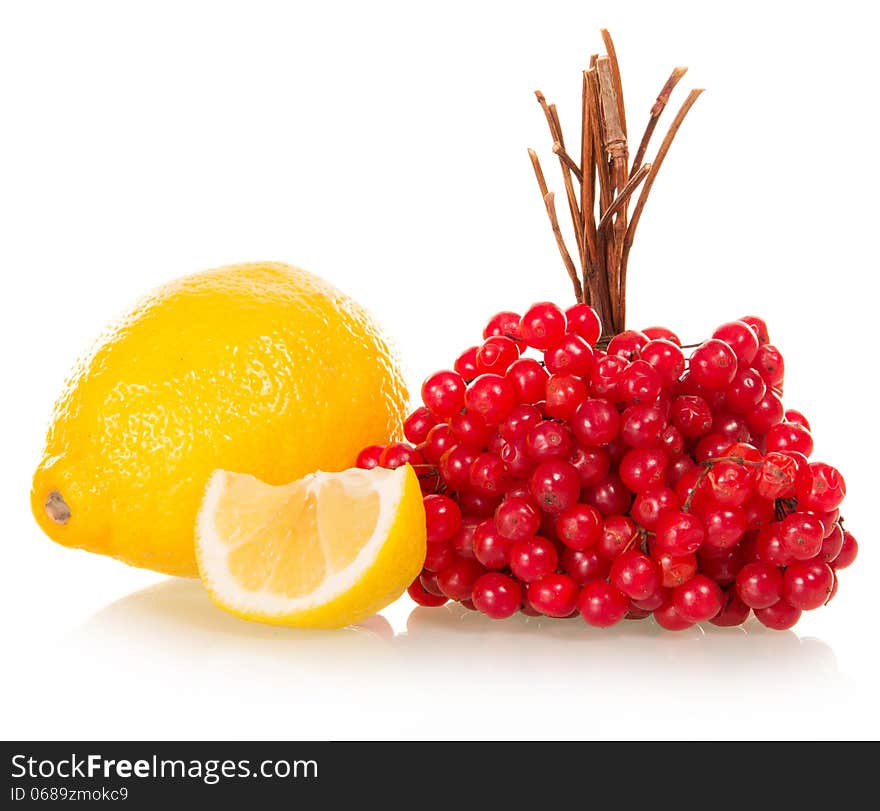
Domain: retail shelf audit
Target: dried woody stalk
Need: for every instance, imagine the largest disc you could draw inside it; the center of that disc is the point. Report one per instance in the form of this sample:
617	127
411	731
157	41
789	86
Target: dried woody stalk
608	181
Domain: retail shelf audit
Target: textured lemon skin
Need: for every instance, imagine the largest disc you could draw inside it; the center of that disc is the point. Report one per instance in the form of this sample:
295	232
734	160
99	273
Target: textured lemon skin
261	368
395	567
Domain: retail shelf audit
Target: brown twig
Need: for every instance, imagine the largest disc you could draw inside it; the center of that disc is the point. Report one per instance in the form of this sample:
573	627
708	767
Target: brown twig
624	195
656	111
559	149
615	75
607	184
618	158
539	172
556	134
588	196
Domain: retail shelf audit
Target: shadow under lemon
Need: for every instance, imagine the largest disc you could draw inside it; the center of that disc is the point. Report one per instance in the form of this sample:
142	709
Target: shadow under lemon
175	620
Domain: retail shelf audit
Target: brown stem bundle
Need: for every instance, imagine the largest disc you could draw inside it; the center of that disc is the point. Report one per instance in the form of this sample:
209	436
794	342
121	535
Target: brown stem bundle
603	229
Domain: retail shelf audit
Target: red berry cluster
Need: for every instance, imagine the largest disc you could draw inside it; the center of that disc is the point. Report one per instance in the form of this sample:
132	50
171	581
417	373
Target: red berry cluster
622	481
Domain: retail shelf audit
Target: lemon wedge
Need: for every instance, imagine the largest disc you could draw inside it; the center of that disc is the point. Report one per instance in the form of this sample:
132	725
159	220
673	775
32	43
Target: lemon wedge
324	551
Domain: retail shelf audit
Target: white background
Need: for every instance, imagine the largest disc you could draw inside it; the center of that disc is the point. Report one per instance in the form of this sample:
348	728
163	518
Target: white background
383	147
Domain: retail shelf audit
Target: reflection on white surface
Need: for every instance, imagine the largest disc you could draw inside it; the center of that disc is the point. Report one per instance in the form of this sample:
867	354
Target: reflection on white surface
452	673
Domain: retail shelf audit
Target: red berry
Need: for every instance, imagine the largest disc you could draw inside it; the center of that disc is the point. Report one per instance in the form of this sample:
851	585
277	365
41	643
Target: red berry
725	526
691	415
423	597
713	364
733	426
651	504
759	326
653	601
417	425
496	355
584	565
730	483
440	439
759	585
554	595
723	565
519	421
429	583
832	544
698	599
491	548
533	558
592	464
601	604
789	436
777	476
807	584
369	457
682	464
496	595
768	546
848	552
477	504
548	440
579	526
463	540
443	393
595	422
770	364
455	466
438	556
627	343
398	454
741	338
765	414
466	364
641	425
457	580
489	475
667	616
469	429
529	380
515	455
640	383
442	518
555	486
584	321
667	359
745	390
606	376
609	496
517	519
672	442
679	533
791	415
564	393
823	490
675	569
504	324
618	533
571	356
635	574
643	468
801	535
662	333
733	612
780	616
542	325
491	397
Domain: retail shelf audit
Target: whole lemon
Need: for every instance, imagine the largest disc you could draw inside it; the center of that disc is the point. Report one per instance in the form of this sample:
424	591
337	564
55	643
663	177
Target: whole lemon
260	368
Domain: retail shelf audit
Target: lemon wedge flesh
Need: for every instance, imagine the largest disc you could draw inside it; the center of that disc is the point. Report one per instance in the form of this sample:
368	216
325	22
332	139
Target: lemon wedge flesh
324	551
